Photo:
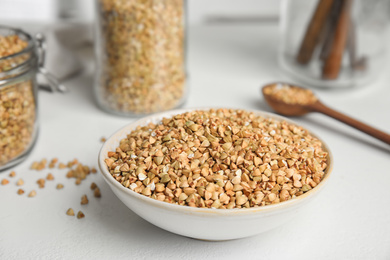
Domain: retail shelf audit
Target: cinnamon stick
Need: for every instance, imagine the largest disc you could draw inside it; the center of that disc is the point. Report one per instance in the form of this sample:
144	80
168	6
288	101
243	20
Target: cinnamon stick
332	63
330	29
361	64
314	31
354	62
351	44
326	40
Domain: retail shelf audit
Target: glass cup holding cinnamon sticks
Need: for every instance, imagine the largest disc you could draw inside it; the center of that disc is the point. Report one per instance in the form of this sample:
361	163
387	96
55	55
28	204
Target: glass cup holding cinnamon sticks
334	43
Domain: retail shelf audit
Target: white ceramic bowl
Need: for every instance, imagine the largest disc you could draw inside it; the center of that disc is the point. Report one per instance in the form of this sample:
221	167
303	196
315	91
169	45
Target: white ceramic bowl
201	223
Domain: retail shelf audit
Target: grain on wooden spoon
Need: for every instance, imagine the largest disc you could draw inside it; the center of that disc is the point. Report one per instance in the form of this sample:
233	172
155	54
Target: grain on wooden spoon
290	100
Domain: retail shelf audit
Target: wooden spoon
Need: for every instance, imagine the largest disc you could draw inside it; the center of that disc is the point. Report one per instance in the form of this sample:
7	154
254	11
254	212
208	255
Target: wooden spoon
300	107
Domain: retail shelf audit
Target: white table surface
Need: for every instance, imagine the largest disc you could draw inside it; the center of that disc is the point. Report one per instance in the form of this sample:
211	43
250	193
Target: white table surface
350	219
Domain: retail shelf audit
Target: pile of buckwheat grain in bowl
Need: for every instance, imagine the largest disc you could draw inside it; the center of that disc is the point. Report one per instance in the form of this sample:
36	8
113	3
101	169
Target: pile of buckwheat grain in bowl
17	104
141	55
221	159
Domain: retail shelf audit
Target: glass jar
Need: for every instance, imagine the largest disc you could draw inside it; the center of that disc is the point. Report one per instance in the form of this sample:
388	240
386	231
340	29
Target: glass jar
21	58
18	98
140	54
333	43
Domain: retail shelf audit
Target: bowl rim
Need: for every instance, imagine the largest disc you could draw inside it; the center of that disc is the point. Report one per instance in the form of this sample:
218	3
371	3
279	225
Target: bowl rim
180	208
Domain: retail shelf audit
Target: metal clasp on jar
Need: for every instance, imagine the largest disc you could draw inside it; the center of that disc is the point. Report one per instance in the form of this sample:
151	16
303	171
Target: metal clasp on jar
53	84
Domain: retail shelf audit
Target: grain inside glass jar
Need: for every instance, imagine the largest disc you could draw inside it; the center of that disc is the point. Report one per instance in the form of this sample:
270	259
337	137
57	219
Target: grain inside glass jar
220	159
140	52
17	101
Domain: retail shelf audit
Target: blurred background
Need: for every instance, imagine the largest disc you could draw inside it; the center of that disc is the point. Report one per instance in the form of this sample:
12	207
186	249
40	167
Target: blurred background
67	25
43	11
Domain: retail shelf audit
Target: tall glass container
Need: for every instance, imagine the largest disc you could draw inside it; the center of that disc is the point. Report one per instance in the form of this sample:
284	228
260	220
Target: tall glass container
333	43
140	54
